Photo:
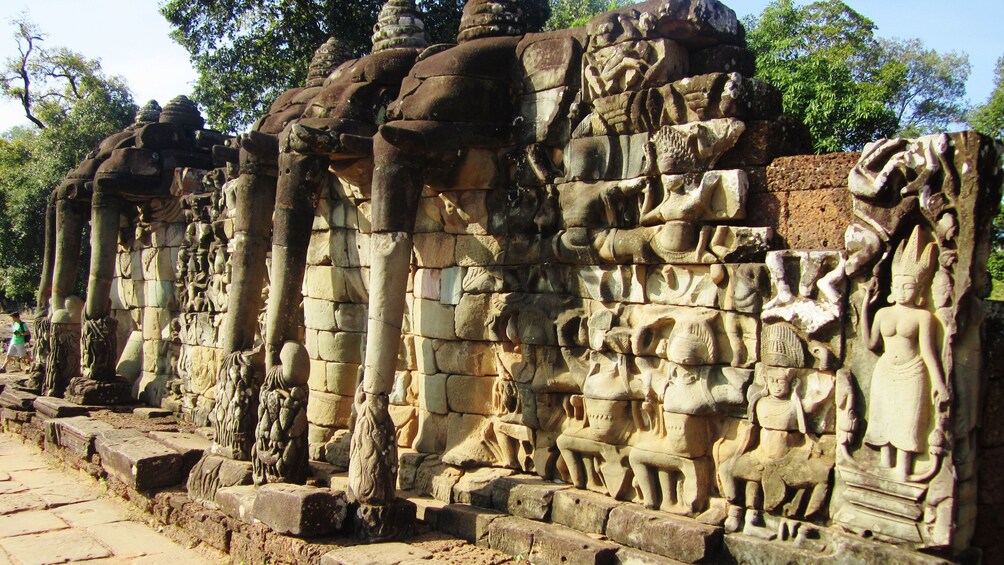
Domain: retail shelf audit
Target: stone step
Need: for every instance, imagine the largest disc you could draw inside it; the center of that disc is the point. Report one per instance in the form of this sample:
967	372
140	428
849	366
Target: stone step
676	537
548	544
76	434
376	554
17	399
190	446
138	460
301	511
58	407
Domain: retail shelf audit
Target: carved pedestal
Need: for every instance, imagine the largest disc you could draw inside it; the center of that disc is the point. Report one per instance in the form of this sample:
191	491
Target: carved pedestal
99	384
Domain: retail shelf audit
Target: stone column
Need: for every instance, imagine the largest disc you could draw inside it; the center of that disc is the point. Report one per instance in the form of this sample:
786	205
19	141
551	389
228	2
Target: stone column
294	209
70	218
99	383
373	462
255	201
42	324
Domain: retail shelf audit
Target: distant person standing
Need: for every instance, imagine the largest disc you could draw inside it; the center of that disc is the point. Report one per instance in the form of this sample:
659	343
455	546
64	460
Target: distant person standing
16	348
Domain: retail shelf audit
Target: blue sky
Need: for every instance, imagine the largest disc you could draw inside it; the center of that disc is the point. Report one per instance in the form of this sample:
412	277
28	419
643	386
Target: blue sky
130	38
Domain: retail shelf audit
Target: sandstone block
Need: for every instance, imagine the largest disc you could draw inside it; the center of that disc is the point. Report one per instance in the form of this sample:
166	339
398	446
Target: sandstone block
319	282
341	347
465	211
525	496
479	250
329	410
631	556
432	433
466	522
432	394
58	407
466	358
465	441
301	511
319	314
427	283
318	377
436	479
351	317
76	434
513	536
156	323
191	446
670	536
558	544
582	510
237	502
433	319
451	285
476	487
342	378
137	460
470	395
425	354
319	248
817	219
435	250
391	553
473	310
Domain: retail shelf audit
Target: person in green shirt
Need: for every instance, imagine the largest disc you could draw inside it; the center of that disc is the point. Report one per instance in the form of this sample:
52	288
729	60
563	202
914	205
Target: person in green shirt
16	348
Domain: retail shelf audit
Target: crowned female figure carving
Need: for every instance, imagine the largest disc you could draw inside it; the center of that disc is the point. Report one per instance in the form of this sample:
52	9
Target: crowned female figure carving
907	384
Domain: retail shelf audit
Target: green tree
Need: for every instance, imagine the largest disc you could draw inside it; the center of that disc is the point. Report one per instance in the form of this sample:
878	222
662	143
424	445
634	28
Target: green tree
848	86
72	106
988	119
931	93
823	59
574	13
247	52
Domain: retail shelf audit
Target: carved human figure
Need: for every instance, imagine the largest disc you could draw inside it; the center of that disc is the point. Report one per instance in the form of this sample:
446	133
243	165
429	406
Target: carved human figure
602	419
279	454
907	384
64	354
672	465
777	452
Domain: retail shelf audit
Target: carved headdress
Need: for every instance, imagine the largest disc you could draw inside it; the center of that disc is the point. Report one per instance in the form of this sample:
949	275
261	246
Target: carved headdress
781	347
915	258
149	113
182	111
398	25
328	56
490	18
692	343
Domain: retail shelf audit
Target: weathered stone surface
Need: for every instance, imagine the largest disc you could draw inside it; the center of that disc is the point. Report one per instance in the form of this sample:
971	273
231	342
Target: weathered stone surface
237	502
191	446
525	496
436	479
149	413
17	399
301	511
837	549
466	358
379	554
433	319
76	434
58	407
582	510
631	556
466	522
435	250
470	395
476	487
213	472
558	544
663	534
432	393
330	410
137	460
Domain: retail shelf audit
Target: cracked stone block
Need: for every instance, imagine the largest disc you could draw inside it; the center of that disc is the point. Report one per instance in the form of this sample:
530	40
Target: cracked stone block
299	510
237	502
525	496
379	554
17	399
58	407
582	510
670	536
76	434
466	522
137	460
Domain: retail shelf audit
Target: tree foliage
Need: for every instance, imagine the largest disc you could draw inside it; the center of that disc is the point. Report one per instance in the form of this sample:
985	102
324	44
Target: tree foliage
988	119
247	52
74	106
931	93
574	13
848	86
